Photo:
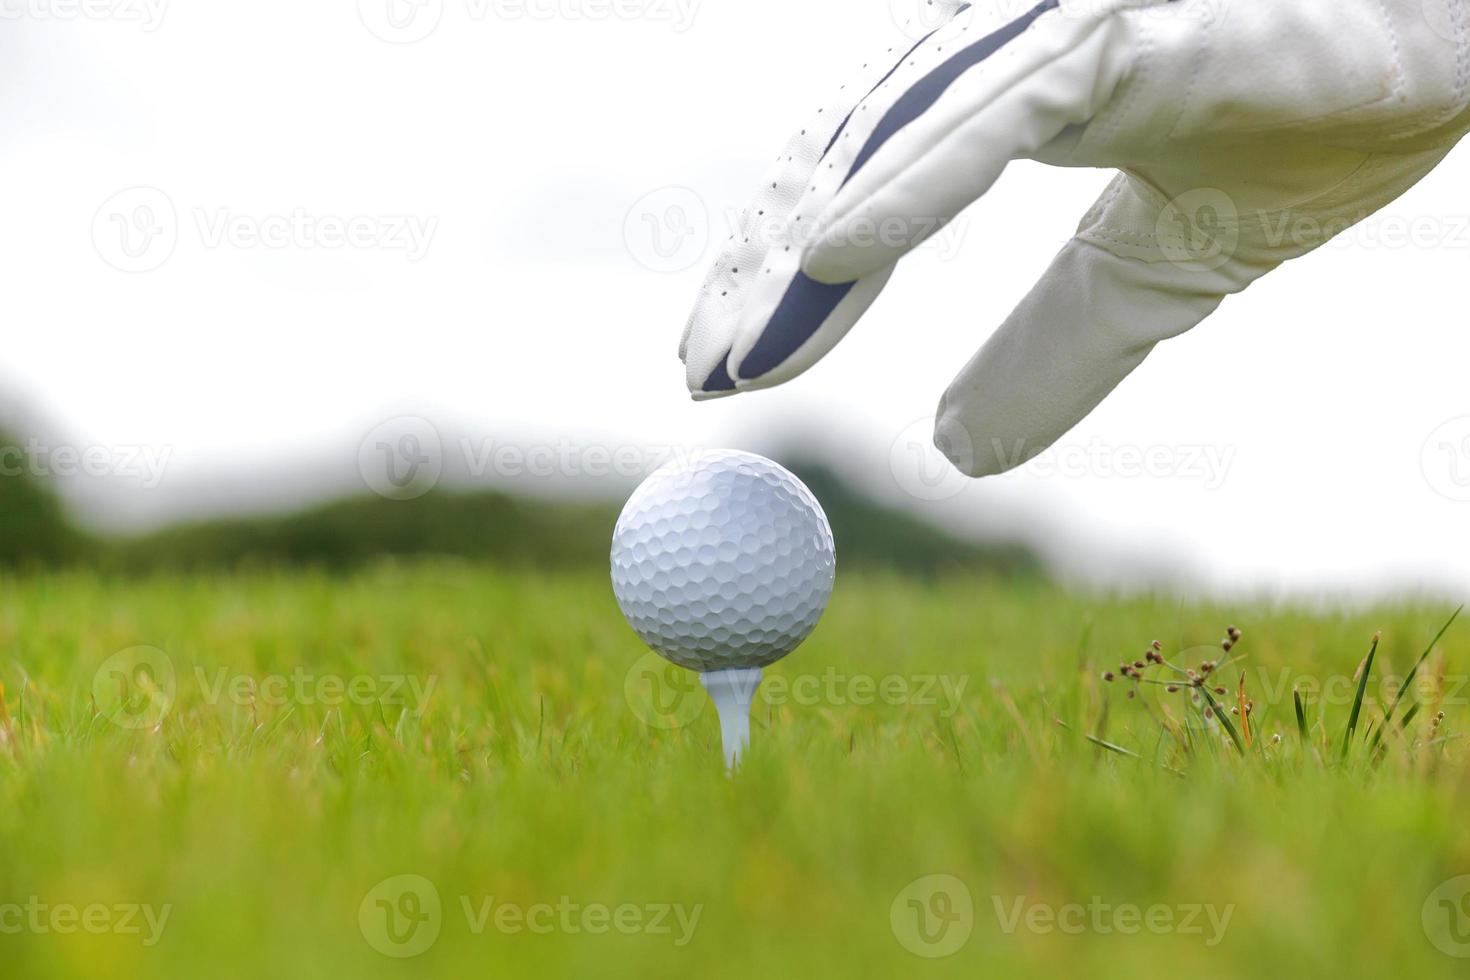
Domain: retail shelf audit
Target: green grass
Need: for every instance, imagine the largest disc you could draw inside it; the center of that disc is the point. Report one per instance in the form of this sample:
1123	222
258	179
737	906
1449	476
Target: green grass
529	778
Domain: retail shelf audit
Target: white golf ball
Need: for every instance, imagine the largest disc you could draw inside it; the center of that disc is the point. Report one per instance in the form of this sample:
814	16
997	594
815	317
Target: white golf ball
723	561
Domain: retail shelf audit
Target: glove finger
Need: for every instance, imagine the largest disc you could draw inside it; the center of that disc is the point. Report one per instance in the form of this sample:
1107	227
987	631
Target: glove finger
927	145
765	235
1116	290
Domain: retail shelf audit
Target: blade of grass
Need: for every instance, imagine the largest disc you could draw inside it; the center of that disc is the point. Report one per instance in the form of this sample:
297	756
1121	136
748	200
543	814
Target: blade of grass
1009	703
1111	747
1409	679
1301	714
1352	726
954	744
1245	720
1224	718
1104	743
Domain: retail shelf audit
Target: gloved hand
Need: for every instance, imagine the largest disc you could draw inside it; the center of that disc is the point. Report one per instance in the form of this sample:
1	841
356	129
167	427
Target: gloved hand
1248	132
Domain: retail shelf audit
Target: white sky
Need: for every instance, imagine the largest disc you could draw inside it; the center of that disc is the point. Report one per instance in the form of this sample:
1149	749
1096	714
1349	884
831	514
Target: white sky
522	139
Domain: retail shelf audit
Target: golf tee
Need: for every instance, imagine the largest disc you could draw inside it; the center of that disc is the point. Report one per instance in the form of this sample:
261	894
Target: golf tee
732	691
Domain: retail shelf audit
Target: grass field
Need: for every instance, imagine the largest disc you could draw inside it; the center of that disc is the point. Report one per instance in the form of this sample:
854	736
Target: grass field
218	776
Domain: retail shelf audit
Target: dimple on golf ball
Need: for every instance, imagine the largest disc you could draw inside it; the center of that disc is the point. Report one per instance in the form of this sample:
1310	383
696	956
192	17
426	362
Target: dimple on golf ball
723	561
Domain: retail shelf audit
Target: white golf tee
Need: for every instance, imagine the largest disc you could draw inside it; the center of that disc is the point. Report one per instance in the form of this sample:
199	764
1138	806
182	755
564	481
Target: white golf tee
732	691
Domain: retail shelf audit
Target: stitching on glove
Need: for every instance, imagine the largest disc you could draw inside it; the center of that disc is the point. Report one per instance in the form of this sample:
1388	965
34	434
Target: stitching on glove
1400	86
1095	213
1462	62
781	191
918	99
1398	89
1146	48
916	58
959	126
1128	240
891	72
1193	88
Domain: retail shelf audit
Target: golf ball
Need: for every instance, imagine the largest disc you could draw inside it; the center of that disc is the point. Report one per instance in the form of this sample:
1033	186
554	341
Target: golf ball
723	561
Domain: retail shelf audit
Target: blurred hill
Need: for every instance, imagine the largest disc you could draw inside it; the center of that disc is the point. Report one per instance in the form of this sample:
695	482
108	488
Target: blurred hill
485	526
870	534
34	527
529	532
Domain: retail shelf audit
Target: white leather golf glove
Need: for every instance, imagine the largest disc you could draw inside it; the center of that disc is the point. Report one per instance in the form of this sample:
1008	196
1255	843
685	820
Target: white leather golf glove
1248	132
